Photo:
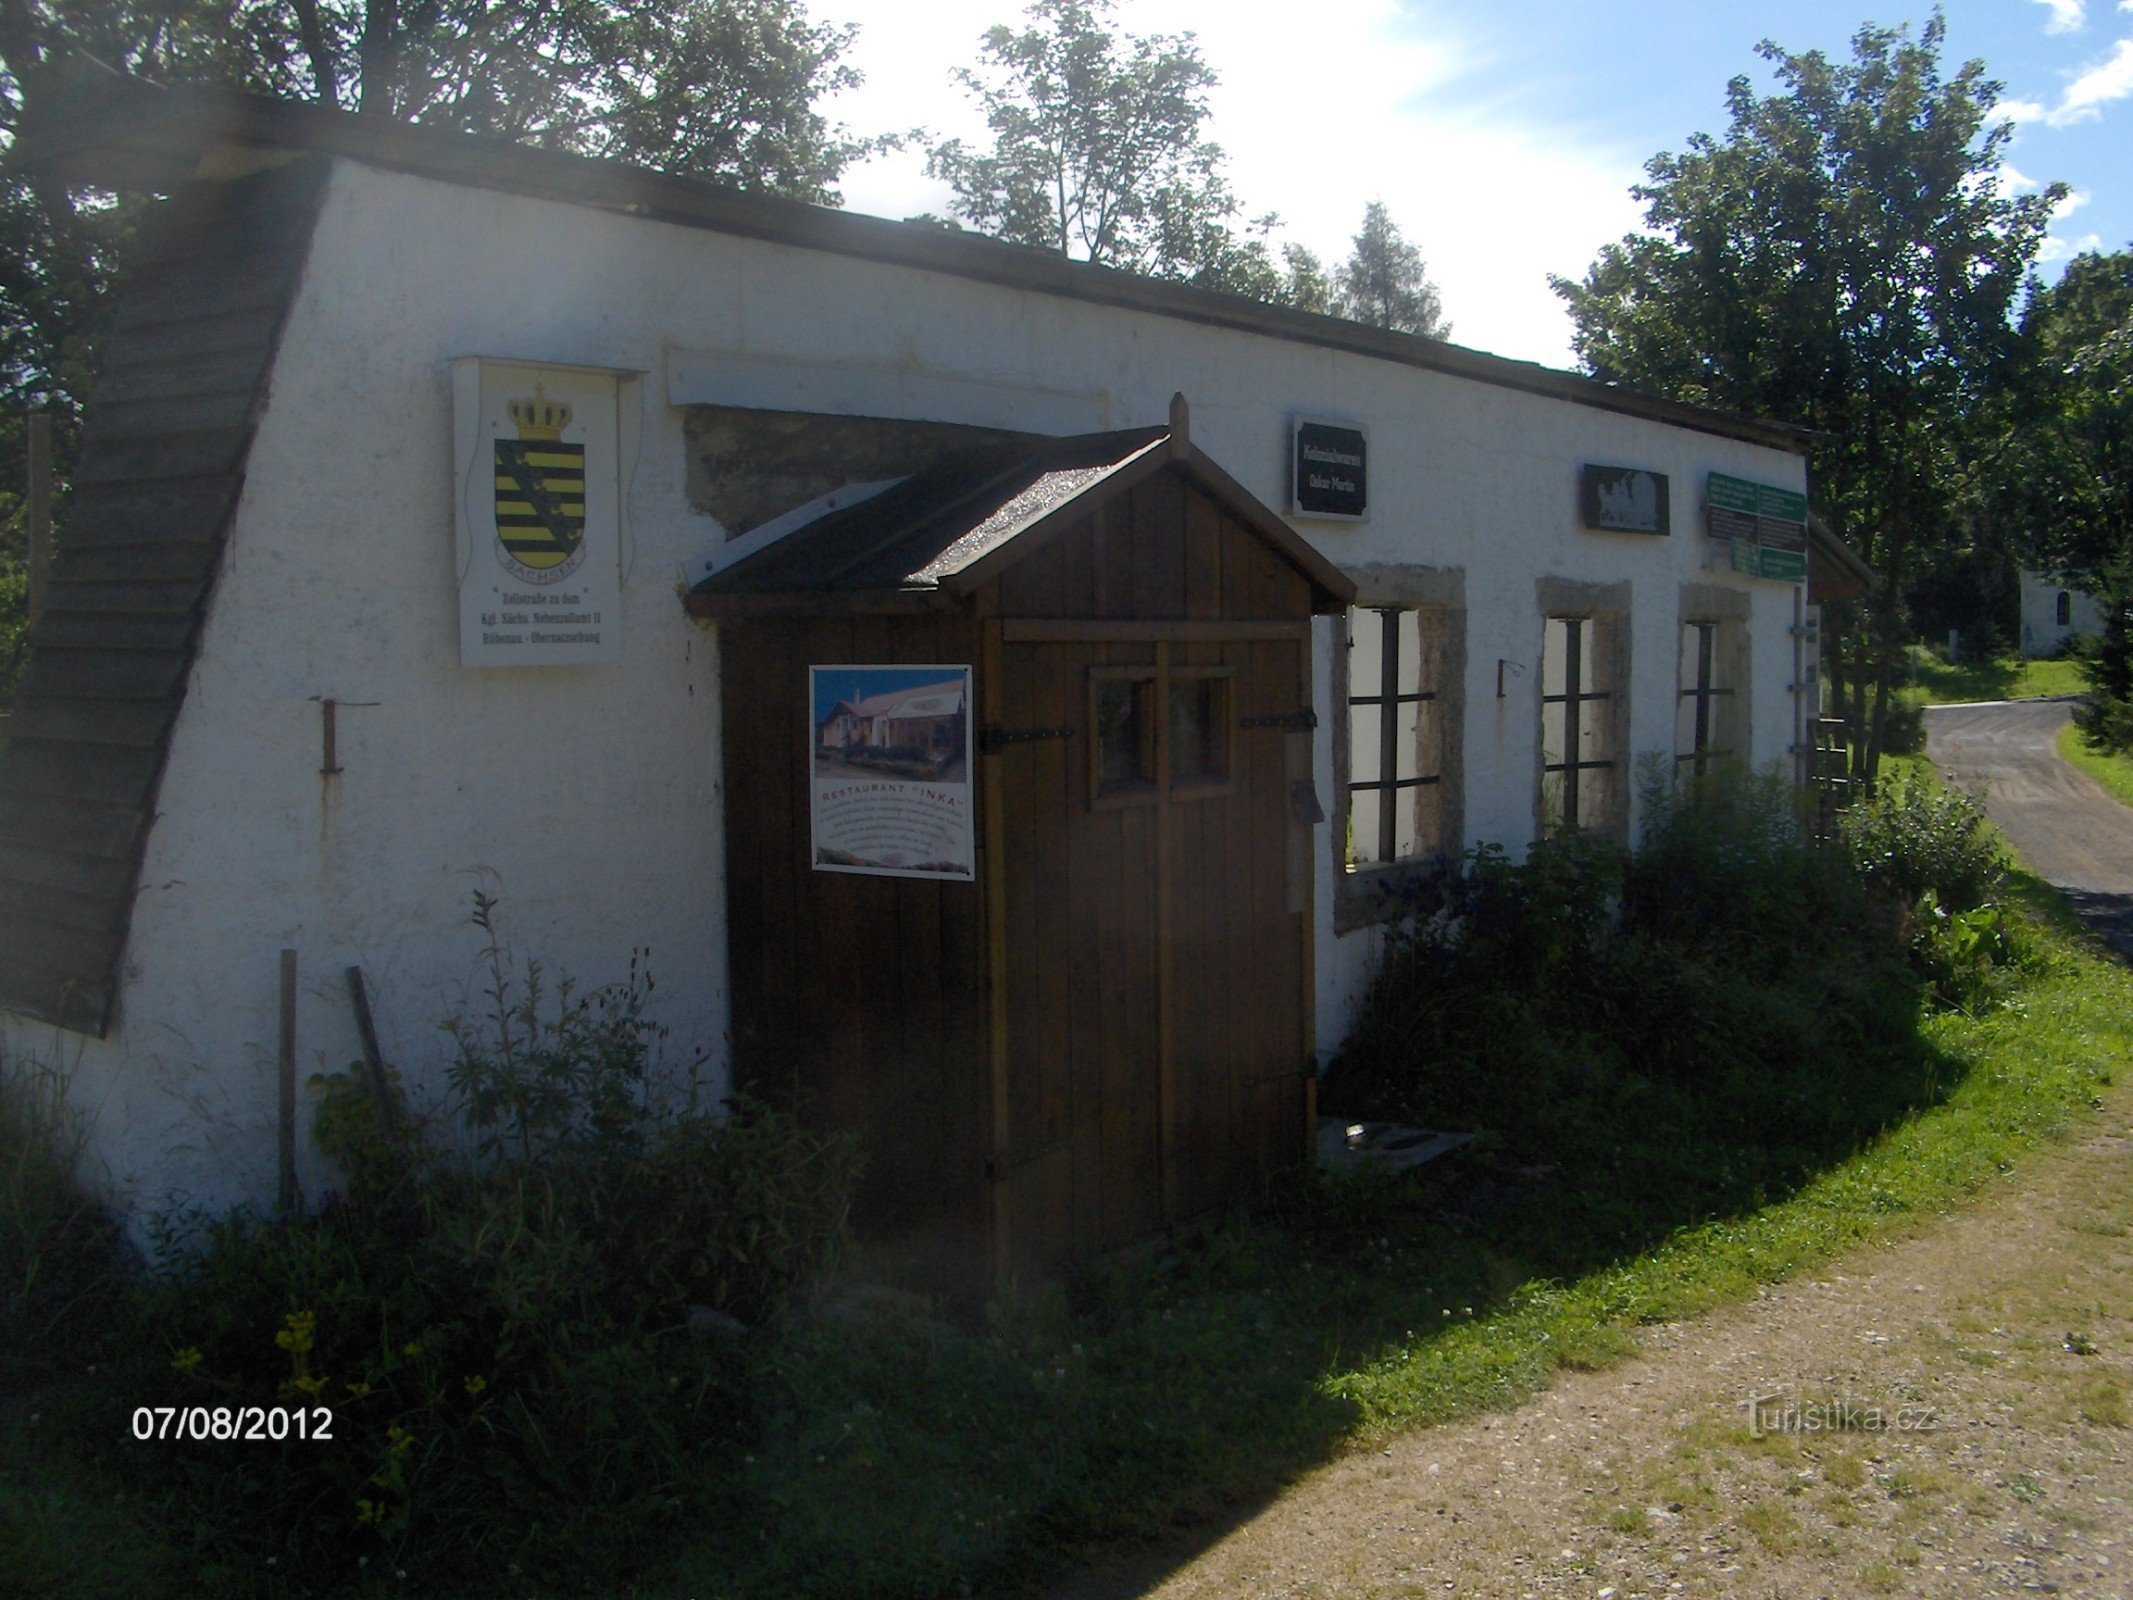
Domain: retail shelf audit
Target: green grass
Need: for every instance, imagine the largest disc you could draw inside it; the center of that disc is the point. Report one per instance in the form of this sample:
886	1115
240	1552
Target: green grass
2113	771
1938	682
925	1458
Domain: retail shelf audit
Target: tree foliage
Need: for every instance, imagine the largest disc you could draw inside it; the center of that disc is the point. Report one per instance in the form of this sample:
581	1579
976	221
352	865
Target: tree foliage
2065	474
1099	152
2071	424
1845	258
1384	282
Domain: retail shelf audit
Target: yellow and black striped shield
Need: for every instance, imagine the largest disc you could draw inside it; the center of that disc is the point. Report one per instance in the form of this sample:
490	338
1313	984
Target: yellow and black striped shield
540	501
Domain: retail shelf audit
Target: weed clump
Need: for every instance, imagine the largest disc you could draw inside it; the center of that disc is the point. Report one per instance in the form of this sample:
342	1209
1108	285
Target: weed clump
522	1320
1725	982
59	1248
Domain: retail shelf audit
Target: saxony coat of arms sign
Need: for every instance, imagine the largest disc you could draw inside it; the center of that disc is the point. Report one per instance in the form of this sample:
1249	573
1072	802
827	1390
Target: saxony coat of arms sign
540	529
540	493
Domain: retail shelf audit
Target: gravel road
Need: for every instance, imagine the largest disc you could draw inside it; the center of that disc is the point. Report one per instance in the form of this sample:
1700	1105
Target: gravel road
1982	1446
2068	830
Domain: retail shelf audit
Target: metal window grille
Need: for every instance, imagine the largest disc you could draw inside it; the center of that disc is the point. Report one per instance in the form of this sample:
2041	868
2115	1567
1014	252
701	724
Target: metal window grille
1392	766
1701	692
1584	748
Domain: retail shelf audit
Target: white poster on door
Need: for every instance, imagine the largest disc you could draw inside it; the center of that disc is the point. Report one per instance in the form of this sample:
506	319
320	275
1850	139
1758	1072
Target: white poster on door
890	771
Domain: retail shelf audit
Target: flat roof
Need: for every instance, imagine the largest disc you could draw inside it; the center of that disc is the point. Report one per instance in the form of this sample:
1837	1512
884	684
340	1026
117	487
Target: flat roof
104	128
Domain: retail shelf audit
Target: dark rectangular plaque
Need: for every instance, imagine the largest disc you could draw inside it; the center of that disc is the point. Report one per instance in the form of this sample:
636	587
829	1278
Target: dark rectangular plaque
1625	500
1329	470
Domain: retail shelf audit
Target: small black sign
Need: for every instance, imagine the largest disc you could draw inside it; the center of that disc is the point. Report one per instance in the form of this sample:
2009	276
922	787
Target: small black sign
1329	471
1626	500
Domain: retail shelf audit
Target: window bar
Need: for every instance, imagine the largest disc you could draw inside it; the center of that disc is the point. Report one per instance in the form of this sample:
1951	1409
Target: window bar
1573	741
1703	695
1388	733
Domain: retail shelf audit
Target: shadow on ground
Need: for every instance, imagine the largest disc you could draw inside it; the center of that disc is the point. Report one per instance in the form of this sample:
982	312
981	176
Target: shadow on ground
2108	916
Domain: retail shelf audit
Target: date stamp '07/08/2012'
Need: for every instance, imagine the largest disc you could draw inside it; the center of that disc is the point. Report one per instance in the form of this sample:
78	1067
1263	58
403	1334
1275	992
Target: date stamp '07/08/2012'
220	1423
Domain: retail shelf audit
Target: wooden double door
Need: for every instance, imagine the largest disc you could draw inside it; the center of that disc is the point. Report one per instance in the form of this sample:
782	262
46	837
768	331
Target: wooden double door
1148	788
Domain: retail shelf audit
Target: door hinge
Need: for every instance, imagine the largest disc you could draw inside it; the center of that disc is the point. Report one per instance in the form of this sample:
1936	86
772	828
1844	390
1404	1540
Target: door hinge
991	741
1304	721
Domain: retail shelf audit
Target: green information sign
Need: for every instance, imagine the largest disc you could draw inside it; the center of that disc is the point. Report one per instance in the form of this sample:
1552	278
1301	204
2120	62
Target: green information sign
1755	499
1788	566
1765	525
1731	494
1758	561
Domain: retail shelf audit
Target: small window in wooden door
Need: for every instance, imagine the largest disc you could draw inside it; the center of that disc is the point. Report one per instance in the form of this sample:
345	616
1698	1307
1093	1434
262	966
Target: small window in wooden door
1123	710
1199	730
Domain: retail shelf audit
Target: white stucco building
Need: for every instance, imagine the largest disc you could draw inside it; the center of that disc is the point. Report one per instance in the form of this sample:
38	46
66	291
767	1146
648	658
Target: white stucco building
2053	613
272	531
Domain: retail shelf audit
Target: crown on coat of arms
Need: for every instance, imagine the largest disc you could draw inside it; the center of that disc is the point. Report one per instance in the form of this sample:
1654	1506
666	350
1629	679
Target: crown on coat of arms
540	417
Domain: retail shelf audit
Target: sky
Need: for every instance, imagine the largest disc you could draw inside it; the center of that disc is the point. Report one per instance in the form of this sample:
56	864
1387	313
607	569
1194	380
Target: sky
1504	137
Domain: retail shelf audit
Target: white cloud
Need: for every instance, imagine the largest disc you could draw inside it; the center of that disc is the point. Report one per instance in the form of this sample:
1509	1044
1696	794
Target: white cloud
2074	201
2087	94
2085	97
2067	16
2056	249
1494	203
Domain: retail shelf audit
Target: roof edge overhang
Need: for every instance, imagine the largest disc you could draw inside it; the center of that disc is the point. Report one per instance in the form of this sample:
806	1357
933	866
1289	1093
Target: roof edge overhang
1835	570
1151	452
727	605
102	127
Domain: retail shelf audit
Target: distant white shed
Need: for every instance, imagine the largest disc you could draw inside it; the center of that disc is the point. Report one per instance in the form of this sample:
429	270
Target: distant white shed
2053	613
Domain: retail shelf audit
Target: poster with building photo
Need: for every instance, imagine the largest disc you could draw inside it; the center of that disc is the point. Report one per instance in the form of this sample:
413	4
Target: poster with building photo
890	771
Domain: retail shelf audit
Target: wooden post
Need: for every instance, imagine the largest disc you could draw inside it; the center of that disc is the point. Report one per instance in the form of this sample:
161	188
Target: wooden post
992	864
39	508
291	1197
373	1059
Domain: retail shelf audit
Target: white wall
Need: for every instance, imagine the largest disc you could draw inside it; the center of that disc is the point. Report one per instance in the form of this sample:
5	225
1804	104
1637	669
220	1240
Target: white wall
588	797
2042	631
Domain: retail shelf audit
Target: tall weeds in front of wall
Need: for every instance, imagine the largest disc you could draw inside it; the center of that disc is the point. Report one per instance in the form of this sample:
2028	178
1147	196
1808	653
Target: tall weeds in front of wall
497	1350
1695	1067
1726	970
58	1248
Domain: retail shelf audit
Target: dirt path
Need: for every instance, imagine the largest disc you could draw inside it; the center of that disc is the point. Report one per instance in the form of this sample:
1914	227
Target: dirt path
1947	1417
2068	829
1984	1456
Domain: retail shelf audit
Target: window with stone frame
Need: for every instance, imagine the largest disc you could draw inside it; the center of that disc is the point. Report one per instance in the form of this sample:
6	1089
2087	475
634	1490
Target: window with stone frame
1397	657
1581	767
1707	720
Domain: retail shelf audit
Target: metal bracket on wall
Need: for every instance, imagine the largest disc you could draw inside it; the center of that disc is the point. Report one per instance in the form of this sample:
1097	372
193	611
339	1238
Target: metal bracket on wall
991	741
1304	721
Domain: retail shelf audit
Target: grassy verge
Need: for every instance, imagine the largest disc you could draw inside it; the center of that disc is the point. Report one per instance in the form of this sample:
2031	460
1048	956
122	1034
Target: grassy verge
1937	681
2114	772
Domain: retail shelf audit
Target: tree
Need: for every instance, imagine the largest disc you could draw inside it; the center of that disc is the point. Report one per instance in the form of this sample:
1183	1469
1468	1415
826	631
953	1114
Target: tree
2065	475
1098	153
1845	259
2070	465
721	89
1384	283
